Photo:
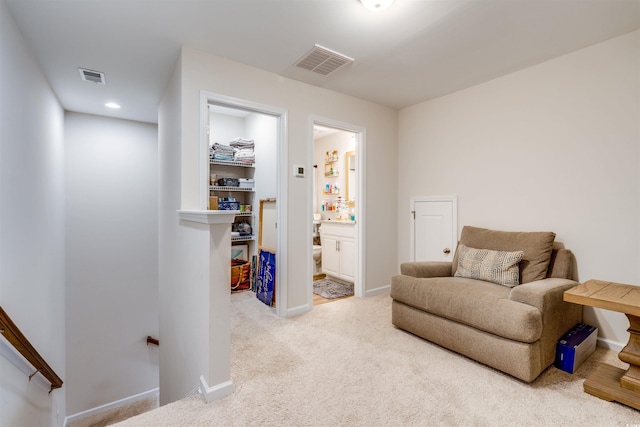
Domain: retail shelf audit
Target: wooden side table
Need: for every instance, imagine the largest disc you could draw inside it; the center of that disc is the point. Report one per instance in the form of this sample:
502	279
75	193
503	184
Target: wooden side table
609	382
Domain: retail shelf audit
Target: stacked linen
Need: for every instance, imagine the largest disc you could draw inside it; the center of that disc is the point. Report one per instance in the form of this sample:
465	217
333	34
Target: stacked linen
221	152
244	150
242	143
245	155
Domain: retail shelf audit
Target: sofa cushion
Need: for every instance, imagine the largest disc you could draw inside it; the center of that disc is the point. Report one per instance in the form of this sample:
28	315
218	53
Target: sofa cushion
561	264
482	305
500	267
536	245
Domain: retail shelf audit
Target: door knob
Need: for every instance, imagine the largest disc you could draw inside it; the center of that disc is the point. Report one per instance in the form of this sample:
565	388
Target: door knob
446	251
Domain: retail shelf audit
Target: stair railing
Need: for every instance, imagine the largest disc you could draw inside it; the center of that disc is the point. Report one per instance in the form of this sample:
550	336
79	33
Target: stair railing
13	335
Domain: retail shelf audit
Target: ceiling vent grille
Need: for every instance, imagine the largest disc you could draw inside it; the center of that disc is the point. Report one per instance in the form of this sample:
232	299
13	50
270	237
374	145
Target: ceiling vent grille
92	76
322	61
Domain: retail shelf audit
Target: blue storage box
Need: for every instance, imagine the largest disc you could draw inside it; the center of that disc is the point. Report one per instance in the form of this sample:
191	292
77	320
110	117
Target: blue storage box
225	205
575	347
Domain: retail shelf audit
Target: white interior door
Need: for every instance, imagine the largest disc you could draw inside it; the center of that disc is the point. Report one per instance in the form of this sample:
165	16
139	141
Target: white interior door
434	228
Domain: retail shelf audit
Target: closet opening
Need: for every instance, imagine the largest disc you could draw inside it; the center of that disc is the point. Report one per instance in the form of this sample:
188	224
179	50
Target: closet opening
242	173
337	205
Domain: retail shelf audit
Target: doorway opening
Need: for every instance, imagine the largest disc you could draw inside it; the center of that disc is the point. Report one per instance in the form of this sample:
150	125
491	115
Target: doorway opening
241	178
337	200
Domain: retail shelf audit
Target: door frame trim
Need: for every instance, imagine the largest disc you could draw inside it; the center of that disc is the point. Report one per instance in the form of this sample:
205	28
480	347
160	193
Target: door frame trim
412	221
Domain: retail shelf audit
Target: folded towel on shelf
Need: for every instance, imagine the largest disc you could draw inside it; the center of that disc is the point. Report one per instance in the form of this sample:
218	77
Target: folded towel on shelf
242	143
241	151
221	148
245	155
221	152
244	159
247	161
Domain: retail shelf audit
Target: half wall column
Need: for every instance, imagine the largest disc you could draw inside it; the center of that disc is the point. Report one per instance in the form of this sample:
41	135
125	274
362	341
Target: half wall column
216	383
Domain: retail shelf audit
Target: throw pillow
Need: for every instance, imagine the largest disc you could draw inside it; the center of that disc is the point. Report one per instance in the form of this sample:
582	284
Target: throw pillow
537	246
499	267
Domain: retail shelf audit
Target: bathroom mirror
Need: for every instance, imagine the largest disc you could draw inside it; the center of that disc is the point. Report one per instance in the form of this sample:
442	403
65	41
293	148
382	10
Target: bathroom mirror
350	173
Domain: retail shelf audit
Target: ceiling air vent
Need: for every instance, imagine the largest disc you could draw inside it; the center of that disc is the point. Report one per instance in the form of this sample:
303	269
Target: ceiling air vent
322	61
92	76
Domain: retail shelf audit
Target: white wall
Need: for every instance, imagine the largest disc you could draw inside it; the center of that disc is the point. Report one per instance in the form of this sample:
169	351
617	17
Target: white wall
112	259
218	75
224	128
552	147
182	284
32	227
182	320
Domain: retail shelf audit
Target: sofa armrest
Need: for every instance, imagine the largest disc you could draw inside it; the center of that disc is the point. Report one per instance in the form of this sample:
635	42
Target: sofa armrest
426	269
543	294
558	316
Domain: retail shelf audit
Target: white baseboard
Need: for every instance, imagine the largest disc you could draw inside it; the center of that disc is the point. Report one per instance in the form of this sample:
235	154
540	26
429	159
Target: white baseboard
216	392
611	345
112	405
376	291
301	309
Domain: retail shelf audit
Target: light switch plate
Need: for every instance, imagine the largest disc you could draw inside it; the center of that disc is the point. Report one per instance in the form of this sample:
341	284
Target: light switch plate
298	170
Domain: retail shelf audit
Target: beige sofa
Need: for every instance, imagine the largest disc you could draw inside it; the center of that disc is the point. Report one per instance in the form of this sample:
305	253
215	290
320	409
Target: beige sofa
512	327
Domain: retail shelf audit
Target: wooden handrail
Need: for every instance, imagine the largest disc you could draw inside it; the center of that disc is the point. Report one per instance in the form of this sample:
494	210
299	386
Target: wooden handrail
11	332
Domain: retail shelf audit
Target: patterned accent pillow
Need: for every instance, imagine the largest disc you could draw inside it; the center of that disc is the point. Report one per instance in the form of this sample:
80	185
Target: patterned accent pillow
491	266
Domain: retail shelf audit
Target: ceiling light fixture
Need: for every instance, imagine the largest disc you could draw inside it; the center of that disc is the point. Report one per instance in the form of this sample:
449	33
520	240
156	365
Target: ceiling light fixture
112	105
376	5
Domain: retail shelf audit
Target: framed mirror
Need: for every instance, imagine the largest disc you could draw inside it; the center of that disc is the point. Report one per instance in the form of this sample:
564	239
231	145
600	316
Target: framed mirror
350	174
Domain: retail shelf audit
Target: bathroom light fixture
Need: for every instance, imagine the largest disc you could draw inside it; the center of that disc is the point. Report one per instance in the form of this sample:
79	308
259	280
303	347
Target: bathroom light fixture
376	5
112	105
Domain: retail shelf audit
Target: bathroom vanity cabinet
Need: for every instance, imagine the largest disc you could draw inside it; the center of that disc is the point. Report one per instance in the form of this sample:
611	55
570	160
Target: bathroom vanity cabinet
338	249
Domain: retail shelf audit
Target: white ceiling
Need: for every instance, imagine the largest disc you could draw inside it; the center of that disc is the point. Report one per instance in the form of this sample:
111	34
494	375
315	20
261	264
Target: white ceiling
414	51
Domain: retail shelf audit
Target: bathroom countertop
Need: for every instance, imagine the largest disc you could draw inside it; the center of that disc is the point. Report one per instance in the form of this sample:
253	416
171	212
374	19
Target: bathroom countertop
338	221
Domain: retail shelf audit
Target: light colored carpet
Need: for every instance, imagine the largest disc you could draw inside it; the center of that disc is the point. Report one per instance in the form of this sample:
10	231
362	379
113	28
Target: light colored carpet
344	364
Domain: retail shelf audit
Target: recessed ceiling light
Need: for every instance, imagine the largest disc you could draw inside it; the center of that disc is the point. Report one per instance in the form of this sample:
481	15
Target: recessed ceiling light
112	105
376	5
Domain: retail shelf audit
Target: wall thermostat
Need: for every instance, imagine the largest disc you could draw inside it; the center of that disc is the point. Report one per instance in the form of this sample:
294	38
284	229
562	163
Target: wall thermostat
298	171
